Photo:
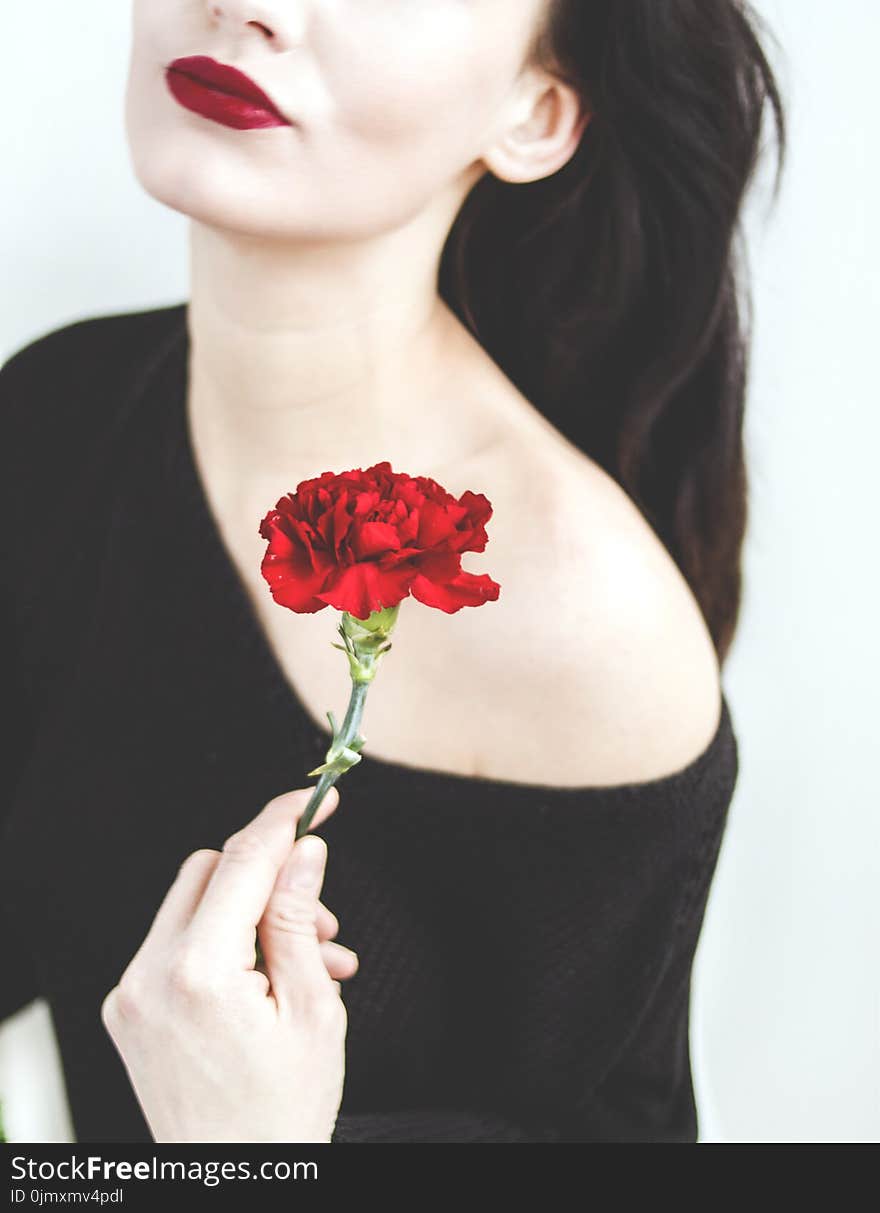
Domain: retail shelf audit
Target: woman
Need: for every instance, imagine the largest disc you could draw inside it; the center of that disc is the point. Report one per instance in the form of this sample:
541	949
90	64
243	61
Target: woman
490	243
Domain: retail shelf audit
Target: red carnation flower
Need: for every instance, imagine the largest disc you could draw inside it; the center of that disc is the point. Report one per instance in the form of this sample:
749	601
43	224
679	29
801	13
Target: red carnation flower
363	540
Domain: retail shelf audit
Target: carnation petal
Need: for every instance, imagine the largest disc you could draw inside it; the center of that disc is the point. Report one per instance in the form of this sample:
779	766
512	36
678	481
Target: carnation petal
436	525
467	589
361	589
439	566
373	539
297	593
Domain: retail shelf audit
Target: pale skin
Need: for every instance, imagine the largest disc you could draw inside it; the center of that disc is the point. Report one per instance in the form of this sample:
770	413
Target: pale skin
318	341
247	1054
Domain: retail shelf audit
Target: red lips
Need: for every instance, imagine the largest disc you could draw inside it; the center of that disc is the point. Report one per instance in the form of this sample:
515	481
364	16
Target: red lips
222	93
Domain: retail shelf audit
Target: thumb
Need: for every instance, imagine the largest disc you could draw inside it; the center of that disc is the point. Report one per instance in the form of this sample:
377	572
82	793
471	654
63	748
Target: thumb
288	929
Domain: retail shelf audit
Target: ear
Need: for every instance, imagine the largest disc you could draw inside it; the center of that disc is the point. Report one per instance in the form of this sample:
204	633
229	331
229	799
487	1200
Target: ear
547	121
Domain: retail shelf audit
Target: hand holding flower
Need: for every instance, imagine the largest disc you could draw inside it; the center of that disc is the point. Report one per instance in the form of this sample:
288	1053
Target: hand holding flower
216	1048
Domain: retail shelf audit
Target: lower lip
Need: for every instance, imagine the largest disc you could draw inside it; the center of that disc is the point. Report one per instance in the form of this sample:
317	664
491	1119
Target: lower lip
229	110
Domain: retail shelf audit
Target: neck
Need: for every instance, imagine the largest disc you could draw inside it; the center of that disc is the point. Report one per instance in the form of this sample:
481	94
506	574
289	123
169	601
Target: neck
311	357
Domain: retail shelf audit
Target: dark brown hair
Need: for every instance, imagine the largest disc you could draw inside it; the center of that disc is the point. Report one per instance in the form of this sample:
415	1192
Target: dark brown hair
608	292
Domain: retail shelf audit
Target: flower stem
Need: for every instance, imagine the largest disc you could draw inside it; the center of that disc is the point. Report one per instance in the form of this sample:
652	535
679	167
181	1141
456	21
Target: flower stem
364	642
342	754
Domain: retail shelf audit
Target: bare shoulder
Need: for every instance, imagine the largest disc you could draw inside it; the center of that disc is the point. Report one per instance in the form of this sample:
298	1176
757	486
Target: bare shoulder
615	650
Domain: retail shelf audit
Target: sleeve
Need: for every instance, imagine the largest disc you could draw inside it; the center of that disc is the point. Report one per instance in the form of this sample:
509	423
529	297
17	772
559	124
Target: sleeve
19	984
575	1023
647	1094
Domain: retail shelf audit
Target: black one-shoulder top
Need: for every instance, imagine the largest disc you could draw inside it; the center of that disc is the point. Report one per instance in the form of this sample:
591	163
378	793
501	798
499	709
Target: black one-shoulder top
525	949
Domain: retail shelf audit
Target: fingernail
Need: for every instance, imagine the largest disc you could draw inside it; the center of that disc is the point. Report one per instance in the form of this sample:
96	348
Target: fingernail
303	868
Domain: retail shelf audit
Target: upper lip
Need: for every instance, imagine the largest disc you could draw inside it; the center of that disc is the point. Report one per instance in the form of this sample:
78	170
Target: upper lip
226	78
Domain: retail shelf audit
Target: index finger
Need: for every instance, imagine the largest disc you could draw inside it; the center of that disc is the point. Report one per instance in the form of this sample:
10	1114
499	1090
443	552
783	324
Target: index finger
241	884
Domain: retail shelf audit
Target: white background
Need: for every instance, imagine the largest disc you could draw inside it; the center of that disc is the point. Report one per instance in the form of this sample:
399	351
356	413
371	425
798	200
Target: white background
785	997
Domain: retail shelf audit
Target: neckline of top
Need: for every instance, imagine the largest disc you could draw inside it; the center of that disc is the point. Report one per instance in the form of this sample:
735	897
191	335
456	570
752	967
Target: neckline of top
172	367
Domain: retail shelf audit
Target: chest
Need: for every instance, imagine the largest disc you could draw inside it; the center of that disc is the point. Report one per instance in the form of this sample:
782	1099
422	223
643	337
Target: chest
437	700
458	693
